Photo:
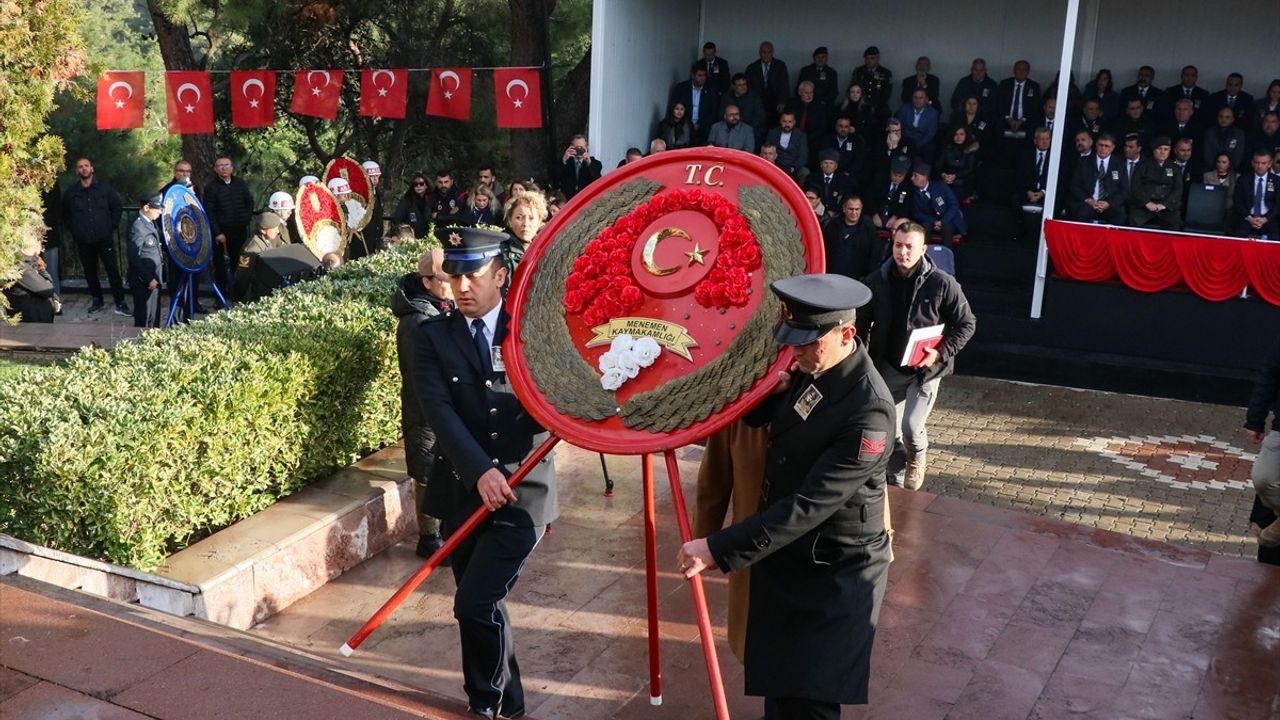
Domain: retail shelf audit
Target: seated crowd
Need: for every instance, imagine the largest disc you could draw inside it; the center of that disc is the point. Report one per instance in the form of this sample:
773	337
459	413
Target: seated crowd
1131	155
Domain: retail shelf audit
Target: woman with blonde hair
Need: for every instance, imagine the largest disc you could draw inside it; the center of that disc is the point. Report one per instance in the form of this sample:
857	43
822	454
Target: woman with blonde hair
480	206
524	216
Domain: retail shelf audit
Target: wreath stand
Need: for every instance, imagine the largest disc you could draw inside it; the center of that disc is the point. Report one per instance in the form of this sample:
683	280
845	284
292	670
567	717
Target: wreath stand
651	574
185	298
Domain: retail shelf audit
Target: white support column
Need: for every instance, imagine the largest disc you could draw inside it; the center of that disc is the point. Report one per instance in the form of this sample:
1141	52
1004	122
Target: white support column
1056	150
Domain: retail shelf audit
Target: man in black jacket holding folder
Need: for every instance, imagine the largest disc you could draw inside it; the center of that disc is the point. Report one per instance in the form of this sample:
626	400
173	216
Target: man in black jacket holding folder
908	293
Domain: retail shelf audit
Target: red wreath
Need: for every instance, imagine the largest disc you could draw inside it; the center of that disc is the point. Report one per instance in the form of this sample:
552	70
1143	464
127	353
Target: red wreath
602	286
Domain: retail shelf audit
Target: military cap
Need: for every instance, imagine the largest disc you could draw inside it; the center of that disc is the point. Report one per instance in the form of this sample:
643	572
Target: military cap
1161	141
871	50
900	164
922	168
814	304
152	200
820	50
829	154
468	249
269	220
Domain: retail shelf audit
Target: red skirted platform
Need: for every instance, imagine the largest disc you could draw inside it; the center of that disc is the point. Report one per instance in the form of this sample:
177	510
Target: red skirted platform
1215	268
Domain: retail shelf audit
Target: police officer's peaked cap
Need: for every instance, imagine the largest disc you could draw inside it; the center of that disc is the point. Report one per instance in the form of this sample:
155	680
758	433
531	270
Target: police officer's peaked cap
900	164
468	249
814	304
153	200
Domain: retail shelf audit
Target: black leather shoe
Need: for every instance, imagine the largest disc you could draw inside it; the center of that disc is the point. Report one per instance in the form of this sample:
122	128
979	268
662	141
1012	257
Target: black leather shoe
428	545
482	712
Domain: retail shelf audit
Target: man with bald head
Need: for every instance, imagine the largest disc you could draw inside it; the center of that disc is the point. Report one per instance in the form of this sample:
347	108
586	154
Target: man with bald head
420	295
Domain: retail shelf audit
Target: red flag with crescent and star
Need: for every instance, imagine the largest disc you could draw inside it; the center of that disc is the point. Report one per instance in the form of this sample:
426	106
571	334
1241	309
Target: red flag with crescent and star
384	93
518	97
120	100
450	94
189	99
316	93
253	98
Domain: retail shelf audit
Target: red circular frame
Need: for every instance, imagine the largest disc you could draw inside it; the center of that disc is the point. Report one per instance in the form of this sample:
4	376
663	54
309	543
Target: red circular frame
672	169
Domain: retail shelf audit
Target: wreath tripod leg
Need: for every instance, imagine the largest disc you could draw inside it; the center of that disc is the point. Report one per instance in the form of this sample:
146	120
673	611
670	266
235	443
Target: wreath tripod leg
651	579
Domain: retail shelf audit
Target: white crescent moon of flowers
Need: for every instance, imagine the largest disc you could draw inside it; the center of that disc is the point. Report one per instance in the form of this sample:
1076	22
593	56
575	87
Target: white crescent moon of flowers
118	84
251	82
185	87
518	83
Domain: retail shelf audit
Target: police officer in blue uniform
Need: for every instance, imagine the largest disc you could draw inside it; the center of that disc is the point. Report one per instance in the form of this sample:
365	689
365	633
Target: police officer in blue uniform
146	262
935	206
818	549
482	435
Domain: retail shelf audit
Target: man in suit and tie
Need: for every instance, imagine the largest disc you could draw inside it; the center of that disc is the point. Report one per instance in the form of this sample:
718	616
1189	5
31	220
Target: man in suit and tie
483	434
1155	192
1255	207
1233	96
702	102
1132	155
768	77
1098	190
1187	90
1019	97
577	168
893	199
852	148
750	106
831	184
1032	172
717	68
1133	121
1149	95
979	85
1183	123
792	146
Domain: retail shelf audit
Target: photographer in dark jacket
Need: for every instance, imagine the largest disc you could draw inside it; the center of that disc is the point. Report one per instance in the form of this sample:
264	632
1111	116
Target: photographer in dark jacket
419	296
909	292
91	211
229	205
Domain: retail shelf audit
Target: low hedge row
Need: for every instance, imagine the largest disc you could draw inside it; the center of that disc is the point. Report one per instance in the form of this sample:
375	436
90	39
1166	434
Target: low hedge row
126	455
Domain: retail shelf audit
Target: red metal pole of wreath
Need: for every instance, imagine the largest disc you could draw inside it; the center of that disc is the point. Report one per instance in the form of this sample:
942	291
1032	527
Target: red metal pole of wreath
438	556
651	580
699	594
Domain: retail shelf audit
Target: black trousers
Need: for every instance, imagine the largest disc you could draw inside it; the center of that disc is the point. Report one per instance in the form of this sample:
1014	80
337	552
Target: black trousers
90	255
485	568
786	708
226	260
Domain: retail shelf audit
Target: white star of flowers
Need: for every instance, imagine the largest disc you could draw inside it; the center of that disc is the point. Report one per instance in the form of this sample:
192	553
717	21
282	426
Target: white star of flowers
190	108
518	103
253	103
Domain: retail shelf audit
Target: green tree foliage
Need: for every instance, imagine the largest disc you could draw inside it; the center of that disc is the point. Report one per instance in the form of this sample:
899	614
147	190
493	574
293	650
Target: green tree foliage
40	49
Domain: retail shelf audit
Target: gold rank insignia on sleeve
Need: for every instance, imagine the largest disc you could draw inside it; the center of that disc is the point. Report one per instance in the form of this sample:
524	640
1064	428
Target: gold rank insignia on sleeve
244	261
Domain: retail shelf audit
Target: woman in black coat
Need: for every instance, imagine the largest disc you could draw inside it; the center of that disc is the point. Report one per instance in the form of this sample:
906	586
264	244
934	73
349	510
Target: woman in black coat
413	209
675	129
956	163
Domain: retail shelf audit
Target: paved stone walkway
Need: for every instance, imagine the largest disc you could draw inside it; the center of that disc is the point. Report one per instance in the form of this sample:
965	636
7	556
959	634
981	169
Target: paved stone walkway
1159	469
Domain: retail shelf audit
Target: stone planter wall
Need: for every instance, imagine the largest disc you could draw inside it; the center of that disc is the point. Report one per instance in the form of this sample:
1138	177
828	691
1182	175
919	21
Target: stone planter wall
246	573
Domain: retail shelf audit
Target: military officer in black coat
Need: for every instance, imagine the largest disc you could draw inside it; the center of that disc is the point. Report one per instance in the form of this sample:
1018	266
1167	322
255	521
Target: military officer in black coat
818	548
482	435
146	262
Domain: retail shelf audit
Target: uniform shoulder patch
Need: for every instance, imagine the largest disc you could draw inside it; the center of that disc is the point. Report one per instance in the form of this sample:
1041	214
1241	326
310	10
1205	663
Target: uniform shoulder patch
872	444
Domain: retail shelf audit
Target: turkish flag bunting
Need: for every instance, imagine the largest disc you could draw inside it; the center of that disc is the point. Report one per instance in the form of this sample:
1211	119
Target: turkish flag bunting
518	97
316	93
120	100
450	94
384	93
253	98
189	98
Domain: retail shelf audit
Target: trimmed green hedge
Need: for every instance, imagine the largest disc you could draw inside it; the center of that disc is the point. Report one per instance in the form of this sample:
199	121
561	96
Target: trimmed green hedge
126	455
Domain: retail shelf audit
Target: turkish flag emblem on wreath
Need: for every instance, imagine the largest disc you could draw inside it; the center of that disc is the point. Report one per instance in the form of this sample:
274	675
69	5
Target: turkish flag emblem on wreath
642	316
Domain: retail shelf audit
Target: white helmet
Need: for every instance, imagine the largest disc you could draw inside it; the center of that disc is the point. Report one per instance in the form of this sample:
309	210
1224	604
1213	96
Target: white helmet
371	168
338	186
308	180
280	201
